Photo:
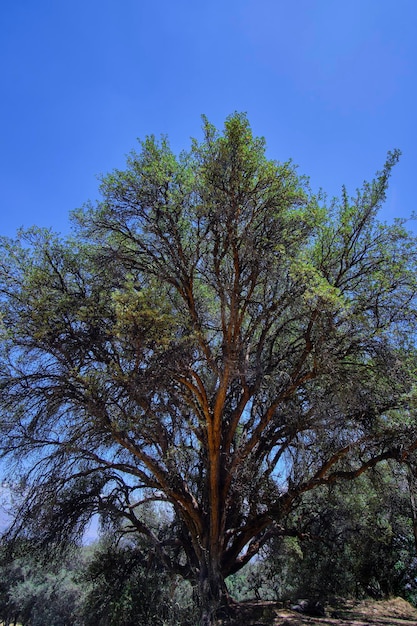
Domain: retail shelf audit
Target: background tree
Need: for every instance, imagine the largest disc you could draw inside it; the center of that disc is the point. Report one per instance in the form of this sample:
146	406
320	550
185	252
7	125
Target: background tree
127	585
354	539
38	590
214	339
108	583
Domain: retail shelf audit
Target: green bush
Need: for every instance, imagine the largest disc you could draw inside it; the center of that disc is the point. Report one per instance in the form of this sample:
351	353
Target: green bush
127	587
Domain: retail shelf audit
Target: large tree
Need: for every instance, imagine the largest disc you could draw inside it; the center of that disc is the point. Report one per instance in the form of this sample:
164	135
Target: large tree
215	338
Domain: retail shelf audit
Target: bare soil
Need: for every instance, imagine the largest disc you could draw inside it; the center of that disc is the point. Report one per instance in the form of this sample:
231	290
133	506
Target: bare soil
339	612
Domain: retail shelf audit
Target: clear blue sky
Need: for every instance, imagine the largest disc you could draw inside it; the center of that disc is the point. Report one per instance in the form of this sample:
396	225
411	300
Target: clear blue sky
329	83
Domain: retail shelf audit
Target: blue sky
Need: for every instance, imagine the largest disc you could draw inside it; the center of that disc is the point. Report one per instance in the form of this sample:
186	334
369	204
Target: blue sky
329	83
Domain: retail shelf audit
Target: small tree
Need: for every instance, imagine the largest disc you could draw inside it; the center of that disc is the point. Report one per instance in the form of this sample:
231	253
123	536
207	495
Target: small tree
214	339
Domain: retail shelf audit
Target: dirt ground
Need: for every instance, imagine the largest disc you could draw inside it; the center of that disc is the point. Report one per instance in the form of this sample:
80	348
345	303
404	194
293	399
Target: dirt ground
339	612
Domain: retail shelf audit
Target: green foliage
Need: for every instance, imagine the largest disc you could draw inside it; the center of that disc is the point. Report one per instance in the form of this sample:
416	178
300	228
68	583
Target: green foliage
100	585
36	592
353	540
127	587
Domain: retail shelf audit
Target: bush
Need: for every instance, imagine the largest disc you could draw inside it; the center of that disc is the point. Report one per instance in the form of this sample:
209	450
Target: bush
127	587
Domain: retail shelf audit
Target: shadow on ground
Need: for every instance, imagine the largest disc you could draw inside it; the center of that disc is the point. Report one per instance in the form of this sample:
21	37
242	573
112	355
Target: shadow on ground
338	612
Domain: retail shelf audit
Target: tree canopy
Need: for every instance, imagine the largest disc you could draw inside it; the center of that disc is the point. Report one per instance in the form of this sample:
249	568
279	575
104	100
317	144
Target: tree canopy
214	337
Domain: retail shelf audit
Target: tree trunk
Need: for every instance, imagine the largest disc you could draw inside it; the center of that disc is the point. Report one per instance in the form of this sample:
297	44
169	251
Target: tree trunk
413	501
213	595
